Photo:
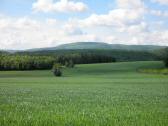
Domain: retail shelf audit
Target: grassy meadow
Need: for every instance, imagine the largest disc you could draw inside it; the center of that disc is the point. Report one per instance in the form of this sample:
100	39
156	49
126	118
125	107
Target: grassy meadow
112	94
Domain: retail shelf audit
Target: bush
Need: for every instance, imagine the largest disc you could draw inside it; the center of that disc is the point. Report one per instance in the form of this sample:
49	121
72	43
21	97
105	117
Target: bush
57	70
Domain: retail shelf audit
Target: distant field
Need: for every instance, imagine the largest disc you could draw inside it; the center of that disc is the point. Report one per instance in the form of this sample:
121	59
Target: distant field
112	94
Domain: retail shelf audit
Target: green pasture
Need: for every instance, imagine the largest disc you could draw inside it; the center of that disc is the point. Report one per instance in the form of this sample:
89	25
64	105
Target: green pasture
112	94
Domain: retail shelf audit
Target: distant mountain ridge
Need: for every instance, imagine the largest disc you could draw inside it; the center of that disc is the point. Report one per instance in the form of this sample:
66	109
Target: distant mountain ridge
99	45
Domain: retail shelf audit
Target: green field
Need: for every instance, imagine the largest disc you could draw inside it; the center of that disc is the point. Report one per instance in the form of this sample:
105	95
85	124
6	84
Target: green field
113	94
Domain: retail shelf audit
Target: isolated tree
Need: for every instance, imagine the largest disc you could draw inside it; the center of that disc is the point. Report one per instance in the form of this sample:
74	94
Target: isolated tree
166	61
57	70
166	57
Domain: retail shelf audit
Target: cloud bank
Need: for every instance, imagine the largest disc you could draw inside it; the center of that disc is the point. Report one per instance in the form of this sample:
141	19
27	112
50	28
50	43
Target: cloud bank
125	24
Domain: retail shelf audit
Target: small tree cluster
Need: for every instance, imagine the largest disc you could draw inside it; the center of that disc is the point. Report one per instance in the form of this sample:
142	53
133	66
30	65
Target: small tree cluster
57	70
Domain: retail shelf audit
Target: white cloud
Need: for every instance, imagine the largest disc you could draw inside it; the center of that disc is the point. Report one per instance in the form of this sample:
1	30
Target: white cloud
60	6
51	21
124	24
117	17
136	29
134	4
127	12
127	17
72	29
159	13
157	37
23	33
163	2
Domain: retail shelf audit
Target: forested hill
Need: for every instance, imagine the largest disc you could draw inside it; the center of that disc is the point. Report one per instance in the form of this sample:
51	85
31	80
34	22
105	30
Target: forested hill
44	59
119	52
100	45
119	55
3	52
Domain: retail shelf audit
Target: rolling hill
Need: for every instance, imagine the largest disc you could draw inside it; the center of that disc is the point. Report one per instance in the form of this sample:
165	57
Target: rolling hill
99	45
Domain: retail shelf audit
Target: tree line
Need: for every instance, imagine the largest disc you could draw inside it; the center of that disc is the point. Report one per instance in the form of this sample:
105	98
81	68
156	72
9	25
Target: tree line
85	58
39	62
17	62
119	55
42	60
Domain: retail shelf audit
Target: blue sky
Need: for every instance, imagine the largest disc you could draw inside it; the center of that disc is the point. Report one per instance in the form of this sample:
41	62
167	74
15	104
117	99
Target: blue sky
24	7
44	23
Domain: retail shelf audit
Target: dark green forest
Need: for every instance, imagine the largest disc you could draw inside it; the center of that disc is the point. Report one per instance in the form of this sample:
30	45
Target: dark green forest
41	60
119	55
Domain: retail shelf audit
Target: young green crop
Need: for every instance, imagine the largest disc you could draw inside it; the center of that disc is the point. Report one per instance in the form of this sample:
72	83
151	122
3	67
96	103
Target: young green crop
113	94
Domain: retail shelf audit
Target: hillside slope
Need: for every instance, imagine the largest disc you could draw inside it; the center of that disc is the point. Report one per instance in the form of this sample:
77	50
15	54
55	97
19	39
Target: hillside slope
100	45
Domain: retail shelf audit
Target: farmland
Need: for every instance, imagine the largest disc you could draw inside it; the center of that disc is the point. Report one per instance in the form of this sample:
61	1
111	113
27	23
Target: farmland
88	95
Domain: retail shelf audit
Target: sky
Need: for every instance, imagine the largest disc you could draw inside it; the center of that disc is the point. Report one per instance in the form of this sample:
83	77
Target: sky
26	24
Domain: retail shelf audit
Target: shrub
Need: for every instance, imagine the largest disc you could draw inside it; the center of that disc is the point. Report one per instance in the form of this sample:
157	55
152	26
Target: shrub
57	70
